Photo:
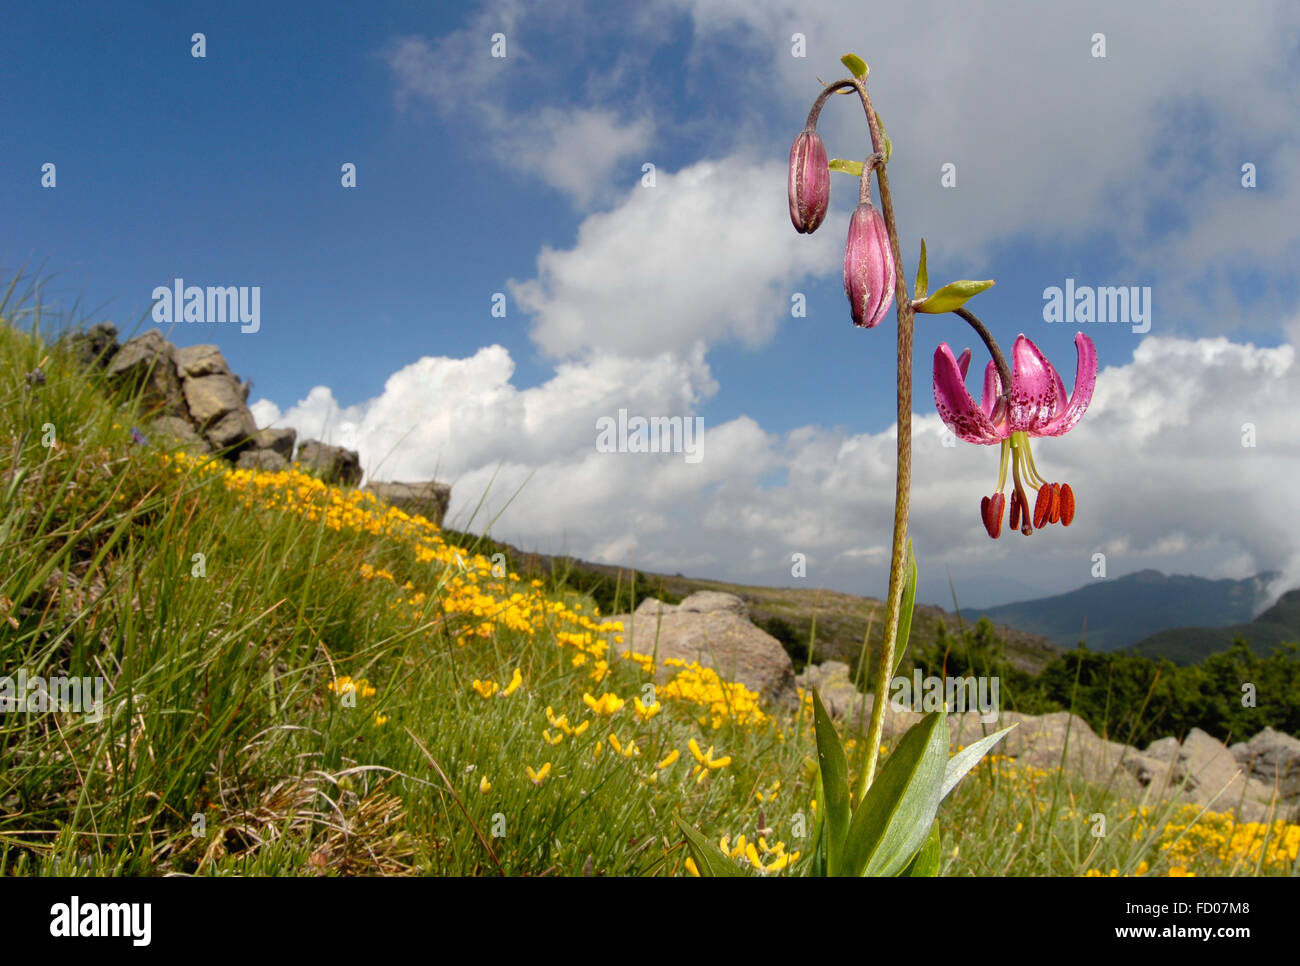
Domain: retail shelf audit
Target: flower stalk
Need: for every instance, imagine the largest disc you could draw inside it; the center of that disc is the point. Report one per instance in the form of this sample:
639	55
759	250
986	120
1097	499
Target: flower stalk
903	479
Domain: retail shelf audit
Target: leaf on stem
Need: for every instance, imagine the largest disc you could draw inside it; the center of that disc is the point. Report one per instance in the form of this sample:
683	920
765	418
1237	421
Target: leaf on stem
926	861
835	784
708	858
966	759
905	611
922	277
848	167
856	65
884	136
894	818
952	296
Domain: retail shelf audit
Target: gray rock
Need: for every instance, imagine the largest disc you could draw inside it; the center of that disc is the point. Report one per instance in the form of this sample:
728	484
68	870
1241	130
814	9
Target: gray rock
706	601
179	430
261	459
838	694
233	431
146	363
332	464
429	500
1166	749
211	397
1274	759
717	638
653	607
201	360
279	440
96	346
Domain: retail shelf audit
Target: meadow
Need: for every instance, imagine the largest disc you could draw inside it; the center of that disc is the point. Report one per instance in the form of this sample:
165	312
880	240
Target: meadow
299	680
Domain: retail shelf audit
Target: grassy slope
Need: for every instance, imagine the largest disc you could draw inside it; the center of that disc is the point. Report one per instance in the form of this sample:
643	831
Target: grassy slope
227	744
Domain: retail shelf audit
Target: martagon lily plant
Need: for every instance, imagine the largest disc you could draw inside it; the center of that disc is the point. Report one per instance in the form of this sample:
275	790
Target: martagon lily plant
885	825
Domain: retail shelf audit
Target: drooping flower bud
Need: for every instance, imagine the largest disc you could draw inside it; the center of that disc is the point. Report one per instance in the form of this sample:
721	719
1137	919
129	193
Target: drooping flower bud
810	182
868	266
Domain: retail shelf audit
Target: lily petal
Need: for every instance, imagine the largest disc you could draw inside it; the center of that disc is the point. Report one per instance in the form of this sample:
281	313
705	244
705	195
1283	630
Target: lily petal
1033	388
1085	380
992	388
963	362
954	403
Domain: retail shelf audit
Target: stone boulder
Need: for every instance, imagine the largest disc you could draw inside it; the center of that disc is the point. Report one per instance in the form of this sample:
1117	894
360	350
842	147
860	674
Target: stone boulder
278	440
193	361
1274	759
429	500
708	628
838	694
267	460
96	346
331	464
147	363
217	410
180	430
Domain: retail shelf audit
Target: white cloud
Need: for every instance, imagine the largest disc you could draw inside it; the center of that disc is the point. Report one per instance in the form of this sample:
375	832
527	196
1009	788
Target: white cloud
706	255
1141	150
1157	464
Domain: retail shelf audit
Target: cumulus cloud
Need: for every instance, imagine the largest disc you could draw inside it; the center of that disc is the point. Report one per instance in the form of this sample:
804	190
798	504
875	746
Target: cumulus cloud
705	255
1158	466
1142	148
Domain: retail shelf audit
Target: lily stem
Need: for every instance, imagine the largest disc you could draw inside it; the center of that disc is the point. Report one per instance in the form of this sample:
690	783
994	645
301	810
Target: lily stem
995	351
903	483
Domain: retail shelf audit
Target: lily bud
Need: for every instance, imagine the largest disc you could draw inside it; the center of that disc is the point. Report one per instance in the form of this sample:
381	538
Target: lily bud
810	182
868	266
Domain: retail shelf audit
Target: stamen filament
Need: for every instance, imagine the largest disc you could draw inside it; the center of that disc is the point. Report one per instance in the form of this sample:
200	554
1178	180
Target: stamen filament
1002	470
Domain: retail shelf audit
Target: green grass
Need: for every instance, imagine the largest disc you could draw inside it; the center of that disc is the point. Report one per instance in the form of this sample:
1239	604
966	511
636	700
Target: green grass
222	749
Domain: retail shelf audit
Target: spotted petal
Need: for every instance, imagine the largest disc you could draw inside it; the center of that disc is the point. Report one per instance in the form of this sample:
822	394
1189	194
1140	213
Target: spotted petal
1085	380
954	403
1033	388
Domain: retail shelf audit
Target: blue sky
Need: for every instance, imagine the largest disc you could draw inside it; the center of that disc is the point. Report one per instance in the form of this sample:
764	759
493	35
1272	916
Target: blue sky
522	175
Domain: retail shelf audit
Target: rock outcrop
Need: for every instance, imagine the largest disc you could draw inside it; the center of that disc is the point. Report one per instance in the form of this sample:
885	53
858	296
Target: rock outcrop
429	500
711	628
333	464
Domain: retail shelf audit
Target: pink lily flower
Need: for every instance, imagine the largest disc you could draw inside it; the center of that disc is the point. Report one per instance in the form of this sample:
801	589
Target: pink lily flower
1036	406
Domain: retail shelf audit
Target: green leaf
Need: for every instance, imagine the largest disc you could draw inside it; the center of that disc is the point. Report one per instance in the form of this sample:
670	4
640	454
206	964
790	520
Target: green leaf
848	167
884	136
819	829
708	857
926	861
966	759
905	612
835	784
922	277
895	817
856	65
952	296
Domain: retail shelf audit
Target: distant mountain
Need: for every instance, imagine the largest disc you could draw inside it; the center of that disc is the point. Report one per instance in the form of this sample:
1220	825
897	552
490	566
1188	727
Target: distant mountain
1188	645
1120	612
